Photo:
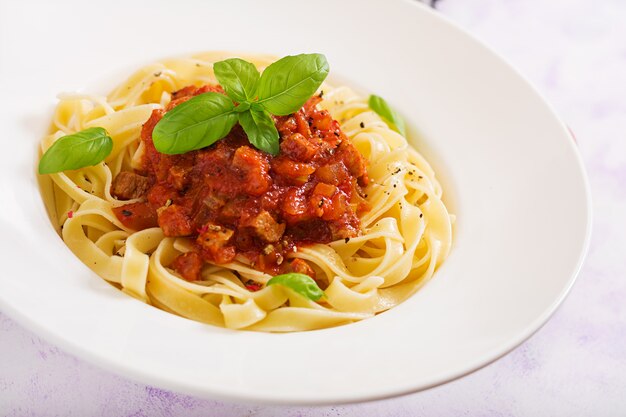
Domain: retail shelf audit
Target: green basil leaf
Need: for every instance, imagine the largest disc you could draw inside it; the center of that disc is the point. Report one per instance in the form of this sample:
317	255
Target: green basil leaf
289	82
239	78
384	110
260	129
300	283
194	124
85	148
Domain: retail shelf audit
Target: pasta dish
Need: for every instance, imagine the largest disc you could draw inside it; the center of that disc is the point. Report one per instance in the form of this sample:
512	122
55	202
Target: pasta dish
246	193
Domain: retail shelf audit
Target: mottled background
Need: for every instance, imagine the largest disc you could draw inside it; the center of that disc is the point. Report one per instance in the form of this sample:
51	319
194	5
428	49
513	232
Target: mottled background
575	52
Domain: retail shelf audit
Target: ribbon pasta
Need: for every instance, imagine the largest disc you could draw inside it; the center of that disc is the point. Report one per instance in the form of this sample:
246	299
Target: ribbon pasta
405	236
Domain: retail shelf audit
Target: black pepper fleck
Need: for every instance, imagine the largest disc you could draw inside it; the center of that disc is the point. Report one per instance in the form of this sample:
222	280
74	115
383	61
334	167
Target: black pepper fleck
127	213
362	125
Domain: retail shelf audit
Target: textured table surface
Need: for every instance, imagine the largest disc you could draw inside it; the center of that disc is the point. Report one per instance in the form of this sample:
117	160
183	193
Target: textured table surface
574	51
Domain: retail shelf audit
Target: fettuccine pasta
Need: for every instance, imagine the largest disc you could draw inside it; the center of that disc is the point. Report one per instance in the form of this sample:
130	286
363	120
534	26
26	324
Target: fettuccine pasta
404	236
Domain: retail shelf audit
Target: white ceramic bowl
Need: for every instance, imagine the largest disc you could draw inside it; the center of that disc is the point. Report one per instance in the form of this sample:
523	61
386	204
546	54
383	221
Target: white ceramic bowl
510	172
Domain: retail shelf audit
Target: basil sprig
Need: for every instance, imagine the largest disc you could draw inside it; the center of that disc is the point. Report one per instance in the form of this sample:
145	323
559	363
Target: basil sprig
389	115
82	149
250	98
300	283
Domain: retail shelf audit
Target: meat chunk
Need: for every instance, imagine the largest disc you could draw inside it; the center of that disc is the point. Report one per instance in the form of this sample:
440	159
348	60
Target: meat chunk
334	173
255	169
128	185
296	172
188	265
214	202
178	177
298	148
265	227
352	159
174	220
347	227
301	267
215	243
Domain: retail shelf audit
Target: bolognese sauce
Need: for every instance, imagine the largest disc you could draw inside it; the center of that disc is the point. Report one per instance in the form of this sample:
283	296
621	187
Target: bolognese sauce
233	200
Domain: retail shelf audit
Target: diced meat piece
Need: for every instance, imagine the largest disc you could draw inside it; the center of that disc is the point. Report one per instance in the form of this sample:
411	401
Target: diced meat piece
328	203
321	200
337	208
233	209
214	202
334	173
301	267
174	220
310	231
323	121
286	125
298	148
272	200
188	265
136	216
294	205
255	167
177	176
297	171
346	227
352	159
214	240
266	227
303	123
128	185
325	190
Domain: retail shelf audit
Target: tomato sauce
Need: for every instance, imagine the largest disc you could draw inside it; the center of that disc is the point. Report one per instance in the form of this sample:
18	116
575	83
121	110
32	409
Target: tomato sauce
234	200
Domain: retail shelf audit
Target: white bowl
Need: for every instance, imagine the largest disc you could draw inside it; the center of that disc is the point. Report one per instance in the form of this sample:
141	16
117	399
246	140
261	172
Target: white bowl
509	167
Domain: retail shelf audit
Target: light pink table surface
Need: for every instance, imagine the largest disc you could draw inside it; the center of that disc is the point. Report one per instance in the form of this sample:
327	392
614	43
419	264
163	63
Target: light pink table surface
575	52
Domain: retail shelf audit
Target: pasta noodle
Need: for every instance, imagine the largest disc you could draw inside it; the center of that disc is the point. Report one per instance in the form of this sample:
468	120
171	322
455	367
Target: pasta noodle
405	236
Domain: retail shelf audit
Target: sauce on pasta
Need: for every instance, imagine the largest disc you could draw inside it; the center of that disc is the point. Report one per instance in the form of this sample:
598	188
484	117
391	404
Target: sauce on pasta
346	201
232	199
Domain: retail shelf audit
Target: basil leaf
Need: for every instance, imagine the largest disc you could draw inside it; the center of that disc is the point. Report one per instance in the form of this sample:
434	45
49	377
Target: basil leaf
380	106
260	129
300	283
194	124
85	148
238	77
289	82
